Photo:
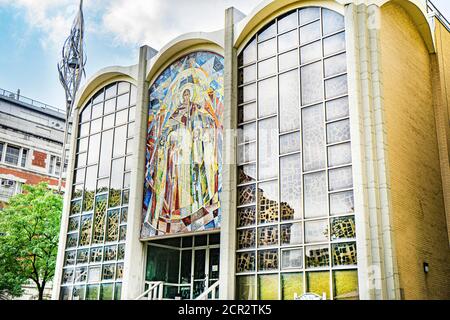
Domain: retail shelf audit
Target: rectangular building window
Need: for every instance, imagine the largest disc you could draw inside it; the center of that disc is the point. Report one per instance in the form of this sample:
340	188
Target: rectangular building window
1	151
12	155
23	160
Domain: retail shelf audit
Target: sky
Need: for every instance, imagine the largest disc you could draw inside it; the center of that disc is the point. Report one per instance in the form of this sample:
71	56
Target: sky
32	33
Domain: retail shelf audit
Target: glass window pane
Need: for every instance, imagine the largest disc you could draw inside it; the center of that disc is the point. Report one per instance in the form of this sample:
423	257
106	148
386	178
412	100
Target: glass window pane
267	48
245	262
342	203
245	288
268	287
130	133
111	91
317	256
247	112
268	236
291	187
268	260
339	154
312	84
345	283
315	185
291	233
335	65
291	285
246	216
123	101
96	126
344	254
289	101
309	14
292	259
82	145
288	40
334	44
310	32
316	231
133	94
247	173
268	149
337	109
132	114
117	173
247	93
313	138
343	228
86	113
268	202
123	87
287	22
249	53
84	129
267	67
97	110
247	153
94	274
267	98
108	122
12	155
340	178
246	238
336	87
288	60
121	117
246	195
94	149
110	106
79	176
268	32
120	135
332	21
338	131
290	143
105	153
318	283
311	52
247	74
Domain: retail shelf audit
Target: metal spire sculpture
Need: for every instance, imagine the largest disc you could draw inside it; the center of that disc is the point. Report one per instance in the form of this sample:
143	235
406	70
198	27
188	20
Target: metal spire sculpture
71	70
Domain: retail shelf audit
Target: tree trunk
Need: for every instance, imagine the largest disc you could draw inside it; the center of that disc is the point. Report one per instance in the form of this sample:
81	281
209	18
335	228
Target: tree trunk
41	293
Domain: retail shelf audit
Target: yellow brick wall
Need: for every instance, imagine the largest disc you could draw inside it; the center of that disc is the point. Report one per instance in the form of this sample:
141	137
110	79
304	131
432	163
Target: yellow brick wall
417	204
442	92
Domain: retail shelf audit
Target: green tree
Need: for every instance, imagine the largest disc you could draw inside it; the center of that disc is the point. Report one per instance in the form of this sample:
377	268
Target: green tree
29	234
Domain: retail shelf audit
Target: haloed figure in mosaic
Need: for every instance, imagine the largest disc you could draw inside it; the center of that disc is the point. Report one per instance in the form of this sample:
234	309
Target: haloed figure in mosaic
189	152
184	142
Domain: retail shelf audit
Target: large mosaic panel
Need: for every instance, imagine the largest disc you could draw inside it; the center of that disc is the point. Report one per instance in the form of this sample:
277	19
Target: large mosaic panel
184	143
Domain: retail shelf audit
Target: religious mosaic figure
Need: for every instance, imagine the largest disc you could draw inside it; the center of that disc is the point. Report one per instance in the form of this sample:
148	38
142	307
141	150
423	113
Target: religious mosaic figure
184	147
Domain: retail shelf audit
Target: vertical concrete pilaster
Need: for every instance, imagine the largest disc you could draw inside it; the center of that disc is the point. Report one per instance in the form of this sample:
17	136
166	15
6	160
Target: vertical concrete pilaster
66	207
228	197
378	274
134	264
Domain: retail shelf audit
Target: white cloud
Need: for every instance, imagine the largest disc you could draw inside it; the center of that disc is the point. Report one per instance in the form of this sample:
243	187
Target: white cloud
136	22
158	21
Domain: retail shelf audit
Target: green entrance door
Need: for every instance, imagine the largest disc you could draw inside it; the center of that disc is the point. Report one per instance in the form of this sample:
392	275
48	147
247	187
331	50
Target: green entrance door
187	266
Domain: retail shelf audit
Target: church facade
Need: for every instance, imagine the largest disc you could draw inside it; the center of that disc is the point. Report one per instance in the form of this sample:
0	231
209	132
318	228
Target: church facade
300	152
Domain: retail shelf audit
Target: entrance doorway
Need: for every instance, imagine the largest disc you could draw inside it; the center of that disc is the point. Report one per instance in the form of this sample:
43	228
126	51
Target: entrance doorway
187	266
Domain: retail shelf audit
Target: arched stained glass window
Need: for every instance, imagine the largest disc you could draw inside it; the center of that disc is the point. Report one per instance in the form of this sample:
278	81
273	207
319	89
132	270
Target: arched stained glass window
96	234
295	211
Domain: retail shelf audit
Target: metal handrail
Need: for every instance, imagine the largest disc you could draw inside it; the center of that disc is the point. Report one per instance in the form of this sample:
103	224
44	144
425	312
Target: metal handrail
212	290
150	292
431	8
18	97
